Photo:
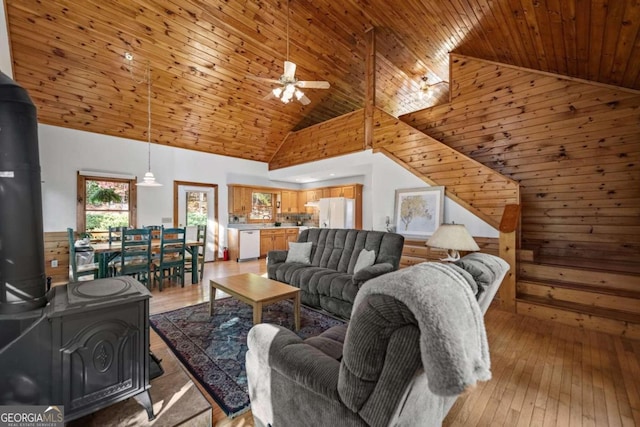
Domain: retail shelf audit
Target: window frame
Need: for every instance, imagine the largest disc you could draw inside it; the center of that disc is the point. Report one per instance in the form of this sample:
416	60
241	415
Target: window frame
272	207
81	192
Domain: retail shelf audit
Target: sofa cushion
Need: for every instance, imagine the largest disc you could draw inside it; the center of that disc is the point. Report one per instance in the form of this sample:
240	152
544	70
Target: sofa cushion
330	342
338	249
365	259
299	252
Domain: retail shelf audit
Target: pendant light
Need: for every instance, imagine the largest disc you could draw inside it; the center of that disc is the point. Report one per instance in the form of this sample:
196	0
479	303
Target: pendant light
149	180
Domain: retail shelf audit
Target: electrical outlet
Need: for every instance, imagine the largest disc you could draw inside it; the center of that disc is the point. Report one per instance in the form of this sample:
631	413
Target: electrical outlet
54	263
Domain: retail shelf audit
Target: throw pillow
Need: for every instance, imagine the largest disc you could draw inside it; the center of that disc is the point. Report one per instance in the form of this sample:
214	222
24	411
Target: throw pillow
299	252
365	259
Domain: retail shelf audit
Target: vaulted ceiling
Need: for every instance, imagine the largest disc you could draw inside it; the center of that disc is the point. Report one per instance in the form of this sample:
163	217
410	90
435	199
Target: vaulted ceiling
69	55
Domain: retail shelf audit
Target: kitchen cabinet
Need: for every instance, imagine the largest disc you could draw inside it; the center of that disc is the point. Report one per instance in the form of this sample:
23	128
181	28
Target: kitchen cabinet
240	200
335	191
272	240
288	201
276	239
348	191
310	196
292	236
314	195
302	199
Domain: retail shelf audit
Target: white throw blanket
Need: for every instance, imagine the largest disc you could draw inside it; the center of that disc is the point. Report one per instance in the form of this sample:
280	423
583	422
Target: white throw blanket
453	341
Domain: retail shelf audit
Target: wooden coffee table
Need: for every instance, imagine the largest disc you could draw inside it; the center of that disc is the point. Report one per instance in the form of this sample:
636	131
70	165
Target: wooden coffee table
257	291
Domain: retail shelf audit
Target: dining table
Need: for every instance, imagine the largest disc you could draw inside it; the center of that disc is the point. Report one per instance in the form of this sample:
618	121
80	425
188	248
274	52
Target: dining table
105	252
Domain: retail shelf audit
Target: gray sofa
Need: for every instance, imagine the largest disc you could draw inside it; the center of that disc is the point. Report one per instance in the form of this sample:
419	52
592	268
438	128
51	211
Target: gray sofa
416	340
328	280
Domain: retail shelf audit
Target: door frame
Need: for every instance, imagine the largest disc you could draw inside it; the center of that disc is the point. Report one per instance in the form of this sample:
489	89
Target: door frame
176	185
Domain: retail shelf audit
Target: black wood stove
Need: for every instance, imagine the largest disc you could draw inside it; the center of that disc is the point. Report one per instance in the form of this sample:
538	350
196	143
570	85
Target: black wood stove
84	345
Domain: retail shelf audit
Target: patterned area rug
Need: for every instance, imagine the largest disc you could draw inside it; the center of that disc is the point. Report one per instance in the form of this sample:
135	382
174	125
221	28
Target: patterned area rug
213	348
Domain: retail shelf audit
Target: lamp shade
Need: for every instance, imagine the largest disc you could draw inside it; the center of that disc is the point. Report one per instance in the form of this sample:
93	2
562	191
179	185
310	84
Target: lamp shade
149	181
453	236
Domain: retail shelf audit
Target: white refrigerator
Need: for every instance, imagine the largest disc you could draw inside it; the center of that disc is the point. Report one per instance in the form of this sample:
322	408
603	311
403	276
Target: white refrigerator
337	212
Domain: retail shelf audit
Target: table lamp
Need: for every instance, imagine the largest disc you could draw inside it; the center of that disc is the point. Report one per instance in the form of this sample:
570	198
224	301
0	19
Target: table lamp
453	238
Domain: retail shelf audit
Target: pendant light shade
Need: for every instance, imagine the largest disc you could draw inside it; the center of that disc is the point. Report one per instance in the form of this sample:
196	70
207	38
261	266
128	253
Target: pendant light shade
149	180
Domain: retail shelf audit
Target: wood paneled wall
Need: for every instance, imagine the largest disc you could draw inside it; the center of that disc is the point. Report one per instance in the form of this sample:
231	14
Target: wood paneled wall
56	246
336	137
475	186
574	147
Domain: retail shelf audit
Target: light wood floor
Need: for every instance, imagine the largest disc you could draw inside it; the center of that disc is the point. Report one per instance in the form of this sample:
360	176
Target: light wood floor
544	374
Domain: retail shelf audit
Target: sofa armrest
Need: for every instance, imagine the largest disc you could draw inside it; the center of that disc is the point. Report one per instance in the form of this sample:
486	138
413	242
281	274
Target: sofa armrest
311	368
372	271
286	352
275	257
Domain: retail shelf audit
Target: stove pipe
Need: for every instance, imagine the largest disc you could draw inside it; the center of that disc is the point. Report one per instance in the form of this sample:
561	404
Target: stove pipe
22	276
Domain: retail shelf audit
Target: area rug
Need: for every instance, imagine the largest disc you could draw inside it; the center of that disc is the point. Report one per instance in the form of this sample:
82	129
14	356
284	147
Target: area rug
213	348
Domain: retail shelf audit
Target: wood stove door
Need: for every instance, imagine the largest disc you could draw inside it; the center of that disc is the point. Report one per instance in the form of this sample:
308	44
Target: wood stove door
103	356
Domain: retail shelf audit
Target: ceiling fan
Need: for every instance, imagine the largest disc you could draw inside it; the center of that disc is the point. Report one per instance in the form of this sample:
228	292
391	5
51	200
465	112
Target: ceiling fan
289	87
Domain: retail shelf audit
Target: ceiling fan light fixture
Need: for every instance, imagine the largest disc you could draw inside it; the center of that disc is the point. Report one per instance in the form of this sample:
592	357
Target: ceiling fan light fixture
287	93
288	83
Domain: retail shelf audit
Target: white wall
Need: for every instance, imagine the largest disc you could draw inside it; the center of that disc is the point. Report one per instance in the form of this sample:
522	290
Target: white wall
381	177
65	151
5	55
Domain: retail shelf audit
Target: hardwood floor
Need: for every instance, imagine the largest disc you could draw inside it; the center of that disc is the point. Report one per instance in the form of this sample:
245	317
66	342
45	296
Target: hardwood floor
544	373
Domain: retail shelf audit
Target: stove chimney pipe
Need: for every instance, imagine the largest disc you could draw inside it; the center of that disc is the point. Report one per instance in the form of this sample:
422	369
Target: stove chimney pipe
22	277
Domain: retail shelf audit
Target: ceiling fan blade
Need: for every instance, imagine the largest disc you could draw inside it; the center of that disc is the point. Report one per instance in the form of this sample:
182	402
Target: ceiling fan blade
263	79
313	84
289	70
304	100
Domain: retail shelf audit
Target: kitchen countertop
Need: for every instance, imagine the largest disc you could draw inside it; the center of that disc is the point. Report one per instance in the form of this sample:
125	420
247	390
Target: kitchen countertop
266	226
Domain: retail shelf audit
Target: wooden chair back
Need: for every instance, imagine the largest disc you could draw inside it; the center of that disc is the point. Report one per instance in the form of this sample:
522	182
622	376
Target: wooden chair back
135	254
75	271
156	231
115	234
172	255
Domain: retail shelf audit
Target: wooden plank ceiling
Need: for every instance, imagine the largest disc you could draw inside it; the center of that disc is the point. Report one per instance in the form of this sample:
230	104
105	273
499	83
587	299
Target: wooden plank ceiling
69	55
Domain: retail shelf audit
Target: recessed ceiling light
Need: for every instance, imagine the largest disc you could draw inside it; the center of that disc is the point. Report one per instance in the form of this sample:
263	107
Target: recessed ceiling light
332	174
128	56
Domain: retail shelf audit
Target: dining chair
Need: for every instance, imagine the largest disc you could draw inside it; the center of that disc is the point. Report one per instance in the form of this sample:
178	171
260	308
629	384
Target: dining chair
156	230
114	237
172	256
135	255
115	234
201	236
76	271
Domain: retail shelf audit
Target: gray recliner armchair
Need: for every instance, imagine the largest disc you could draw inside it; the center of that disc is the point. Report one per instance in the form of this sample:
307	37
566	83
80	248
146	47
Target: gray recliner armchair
416	340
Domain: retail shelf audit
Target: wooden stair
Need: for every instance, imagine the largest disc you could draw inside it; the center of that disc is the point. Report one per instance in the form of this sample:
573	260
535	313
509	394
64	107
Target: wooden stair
589	298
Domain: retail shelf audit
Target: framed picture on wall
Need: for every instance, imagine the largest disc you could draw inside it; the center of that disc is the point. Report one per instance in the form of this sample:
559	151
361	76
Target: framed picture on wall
419	211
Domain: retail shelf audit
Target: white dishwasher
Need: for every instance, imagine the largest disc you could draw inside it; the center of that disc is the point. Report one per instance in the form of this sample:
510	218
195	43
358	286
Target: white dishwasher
249	245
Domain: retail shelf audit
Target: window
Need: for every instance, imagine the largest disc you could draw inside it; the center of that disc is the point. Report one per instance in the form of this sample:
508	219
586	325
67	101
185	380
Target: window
105	202
261	206
197	206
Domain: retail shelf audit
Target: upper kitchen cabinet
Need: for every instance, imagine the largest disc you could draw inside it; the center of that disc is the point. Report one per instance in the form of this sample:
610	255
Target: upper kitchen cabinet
239	200
289	201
